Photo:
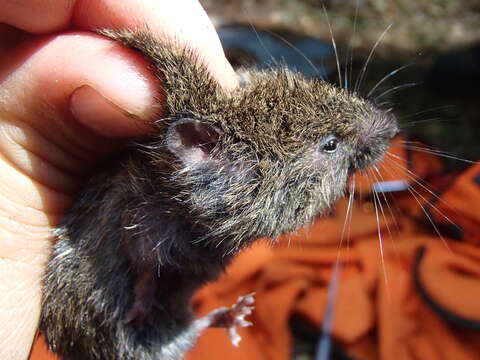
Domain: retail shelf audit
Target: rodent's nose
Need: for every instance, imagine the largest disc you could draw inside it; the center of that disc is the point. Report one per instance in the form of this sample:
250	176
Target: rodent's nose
392	128
374	140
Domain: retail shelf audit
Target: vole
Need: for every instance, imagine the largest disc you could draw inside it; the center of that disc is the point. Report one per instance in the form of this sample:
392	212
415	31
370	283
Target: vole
172	210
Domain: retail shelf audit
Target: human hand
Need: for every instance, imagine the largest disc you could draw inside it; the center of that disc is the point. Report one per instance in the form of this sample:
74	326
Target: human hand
67	98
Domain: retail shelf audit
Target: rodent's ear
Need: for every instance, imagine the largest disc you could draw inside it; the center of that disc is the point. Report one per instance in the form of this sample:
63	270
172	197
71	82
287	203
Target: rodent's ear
193	141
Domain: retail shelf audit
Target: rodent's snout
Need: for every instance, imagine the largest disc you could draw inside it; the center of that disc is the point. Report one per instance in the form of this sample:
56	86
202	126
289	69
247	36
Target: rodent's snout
381	124
391	127
374	139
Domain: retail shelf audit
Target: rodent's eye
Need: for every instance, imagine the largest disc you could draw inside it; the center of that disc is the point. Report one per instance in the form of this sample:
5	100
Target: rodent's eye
330	145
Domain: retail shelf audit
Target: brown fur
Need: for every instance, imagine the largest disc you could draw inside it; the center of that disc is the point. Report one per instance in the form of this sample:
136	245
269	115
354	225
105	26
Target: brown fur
219	171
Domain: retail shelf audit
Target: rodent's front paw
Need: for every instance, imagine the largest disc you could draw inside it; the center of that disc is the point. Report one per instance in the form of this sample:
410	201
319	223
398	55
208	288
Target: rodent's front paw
233	317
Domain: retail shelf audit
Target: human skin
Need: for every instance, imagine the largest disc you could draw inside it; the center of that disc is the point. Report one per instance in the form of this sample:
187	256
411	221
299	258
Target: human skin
69	97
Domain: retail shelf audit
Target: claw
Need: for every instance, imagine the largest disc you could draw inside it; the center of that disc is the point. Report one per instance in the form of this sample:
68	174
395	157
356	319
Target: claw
239	310
233	317
245	300
243	323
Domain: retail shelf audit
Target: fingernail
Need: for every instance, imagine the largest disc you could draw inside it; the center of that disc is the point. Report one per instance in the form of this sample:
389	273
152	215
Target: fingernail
102	116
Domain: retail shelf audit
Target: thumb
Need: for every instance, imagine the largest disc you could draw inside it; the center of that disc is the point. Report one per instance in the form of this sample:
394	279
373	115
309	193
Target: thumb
67	100
64	101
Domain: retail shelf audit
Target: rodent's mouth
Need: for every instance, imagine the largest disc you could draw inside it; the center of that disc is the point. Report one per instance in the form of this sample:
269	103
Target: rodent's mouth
370	154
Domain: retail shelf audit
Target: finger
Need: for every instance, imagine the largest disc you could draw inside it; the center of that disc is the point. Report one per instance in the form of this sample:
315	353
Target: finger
80	74
62	106
37	175
50	126
184	21
19	305
10	37
37	16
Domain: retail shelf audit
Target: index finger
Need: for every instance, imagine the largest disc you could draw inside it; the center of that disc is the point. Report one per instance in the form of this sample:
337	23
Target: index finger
184	21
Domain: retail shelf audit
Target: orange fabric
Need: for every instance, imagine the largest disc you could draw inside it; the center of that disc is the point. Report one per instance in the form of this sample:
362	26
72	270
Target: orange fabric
422	301
40	350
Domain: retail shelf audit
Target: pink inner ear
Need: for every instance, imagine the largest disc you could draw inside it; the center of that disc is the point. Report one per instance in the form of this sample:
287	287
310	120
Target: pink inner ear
195	155
195	134
192	141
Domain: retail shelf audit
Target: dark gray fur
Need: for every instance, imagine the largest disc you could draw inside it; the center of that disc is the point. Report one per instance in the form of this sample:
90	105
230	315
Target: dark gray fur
166	216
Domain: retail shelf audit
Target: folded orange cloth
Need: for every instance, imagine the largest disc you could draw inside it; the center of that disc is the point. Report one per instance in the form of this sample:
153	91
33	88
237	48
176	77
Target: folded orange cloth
420	300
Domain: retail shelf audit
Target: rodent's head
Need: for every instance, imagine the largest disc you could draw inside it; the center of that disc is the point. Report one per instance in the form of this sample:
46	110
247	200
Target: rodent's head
273	156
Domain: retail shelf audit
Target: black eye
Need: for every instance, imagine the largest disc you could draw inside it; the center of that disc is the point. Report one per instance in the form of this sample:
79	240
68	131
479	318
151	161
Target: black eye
330	145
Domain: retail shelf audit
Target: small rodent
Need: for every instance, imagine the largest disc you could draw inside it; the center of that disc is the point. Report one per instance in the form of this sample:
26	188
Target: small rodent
166	216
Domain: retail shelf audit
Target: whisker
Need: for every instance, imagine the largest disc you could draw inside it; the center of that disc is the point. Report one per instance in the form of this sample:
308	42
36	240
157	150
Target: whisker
333	44
324	344
438	153
417	179
394	89
379	201
387	203
348	215
380	238
411	175
437	108
415	193
262	44
382	80
351	199
387	103
359	80
392	241
395	156
289	240
297	50
349	55
415	123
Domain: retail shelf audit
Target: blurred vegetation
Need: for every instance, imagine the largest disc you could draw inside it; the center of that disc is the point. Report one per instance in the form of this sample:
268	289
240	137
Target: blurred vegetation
418	24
